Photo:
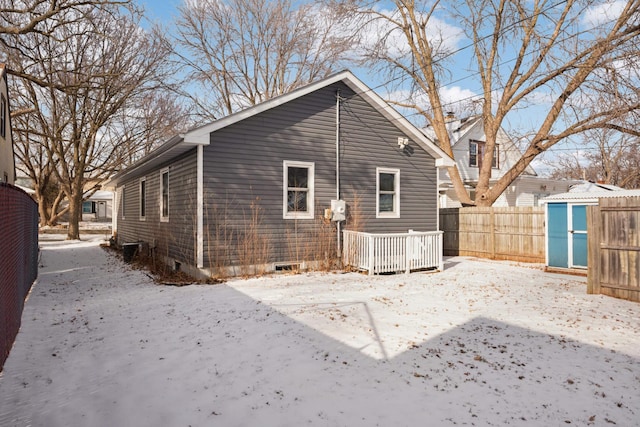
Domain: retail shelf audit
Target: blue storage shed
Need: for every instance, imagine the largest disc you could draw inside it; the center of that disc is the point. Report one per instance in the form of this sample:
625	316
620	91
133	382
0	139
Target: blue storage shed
566	223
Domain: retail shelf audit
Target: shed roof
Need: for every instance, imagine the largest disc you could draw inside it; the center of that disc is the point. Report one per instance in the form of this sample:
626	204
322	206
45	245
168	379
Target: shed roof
590	192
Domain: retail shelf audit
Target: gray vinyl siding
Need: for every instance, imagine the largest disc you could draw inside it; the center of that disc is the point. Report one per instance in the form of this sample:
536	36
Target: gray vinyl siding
244	165
174	238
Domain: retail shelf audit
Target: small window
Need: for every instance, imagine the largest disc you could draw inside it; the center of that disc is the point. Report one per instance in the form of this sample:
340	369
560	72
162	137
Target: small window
495	162
143	199
164	195
88	207
388	191
298	186
476	152
3	116
473	154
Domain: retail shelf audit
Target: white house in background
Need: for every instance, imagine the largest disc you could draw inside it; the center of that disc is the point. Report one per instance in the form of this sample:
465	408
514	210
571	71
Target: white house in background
468	142
98	206
7	165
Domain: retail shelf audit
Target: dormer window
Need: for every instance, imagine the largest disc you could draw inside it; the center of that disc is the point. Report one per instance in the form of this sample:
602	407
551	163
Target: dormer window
476	152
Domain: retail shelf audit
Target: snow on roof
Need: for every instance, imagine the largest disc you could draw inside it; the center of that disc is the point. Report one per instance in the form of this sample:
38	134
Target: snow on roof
101	195
592	191
26	189
588	186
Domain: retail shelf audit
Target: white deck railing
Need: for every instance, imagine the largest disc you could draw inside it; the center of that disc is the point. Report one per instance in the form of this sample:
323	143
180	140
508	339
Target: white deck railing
395	252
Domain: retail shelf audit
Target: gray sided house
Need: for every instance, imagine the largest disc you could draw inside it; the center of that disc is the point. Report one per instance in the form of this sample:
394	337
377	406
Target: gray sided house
256	187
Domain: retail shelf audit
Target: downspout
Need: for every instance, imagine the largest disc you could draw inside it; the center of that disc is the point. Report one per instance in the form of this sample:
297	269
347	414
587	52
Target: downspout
338	223
199	209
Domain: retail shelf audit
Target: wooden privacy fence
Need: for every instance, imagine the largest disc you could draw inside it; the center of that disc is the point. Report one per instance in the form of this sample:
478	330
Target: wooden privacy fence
394	252
614	248
510	233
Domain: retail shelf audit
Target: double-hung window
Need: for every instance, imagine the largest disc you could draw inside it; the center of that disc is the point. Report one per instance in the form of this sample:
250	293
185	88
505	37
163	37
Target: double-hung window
298	189
388	193
164	195
476	153
143	199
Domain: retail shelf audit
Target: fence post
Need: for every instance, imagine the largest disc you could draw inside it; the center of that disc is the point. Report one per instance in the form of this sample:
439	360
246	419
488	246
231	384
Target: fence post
492	230
594	224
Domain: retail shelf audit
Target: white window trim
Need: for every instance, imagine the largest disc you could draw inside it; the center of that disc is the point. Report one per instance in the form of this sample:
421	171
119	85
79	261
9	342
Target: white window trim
286	164
396	199
140	199
162	172
496	154
122	200
475	164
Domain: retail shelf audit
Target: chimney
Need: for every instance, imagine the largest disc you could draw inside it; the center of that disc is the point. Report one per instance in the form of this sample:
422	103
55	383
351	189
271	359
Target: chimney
451	116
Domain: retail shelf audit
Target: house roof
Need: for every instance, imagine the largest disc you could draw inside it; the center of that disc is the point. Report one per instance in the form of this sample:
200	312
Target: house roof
201	135
101	195
460	126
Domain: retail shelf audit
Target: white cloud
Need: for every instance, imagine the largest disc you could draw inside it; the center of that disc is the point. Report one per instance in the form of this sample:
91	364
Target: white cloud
457	97
603	13
443	36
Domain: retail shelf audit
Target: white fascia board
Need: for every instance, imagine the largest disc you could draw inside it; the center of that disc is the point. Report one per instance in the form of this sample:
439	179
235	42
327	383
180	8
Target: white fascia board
196	139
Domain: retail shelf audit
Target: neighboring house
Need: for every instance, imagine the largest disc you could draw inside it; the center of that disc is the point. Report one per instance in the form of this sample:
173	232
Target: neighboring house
98	206
273	172
468	142
7	162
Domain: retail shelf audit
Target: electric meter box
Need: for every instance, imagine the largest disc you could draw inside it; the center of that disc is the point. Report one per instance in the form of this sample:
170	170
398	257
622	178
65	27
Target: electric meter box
338	210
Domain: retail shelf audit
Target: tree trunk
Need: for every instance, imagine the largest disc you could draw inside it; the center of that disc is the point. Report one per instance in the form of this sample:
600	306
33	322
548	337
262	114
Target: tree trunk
458	186
75	213
42	209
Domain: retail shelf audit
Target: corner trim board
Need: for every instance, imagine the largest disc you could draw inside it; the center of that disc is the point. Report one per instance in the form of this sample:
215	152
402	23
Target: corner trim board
200	209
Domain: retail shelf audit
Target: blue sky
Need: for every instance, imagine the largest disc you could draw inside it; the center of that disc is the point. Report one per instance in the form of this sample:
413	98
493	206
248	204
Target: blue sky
161	10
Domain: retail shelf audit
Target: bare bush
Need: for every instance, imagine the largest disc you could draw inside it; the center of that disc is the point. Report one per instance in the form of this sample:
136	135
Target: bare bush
254	244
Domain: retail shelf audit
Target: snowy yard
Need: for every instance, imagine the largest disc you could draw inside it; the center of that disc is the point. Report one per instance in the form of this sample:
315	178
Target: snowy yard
483	343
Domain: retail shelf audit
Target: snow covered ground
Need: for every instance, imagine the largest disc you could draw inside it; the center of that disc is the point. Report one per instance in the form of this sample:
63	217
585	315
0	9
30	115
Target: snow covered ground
483	343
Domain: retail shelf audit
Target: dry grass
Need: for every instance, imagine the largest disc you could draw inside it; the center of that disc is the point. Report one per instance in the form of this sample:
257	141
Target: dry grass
254	243
159	272
356	219
220	242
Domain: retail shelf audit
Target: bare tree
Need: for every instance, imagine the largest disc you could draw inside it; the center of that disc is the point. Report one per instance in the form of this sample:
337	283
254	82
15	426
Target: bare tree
522	52
242	52
614	158
106	64
157	117
33	157
44	16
